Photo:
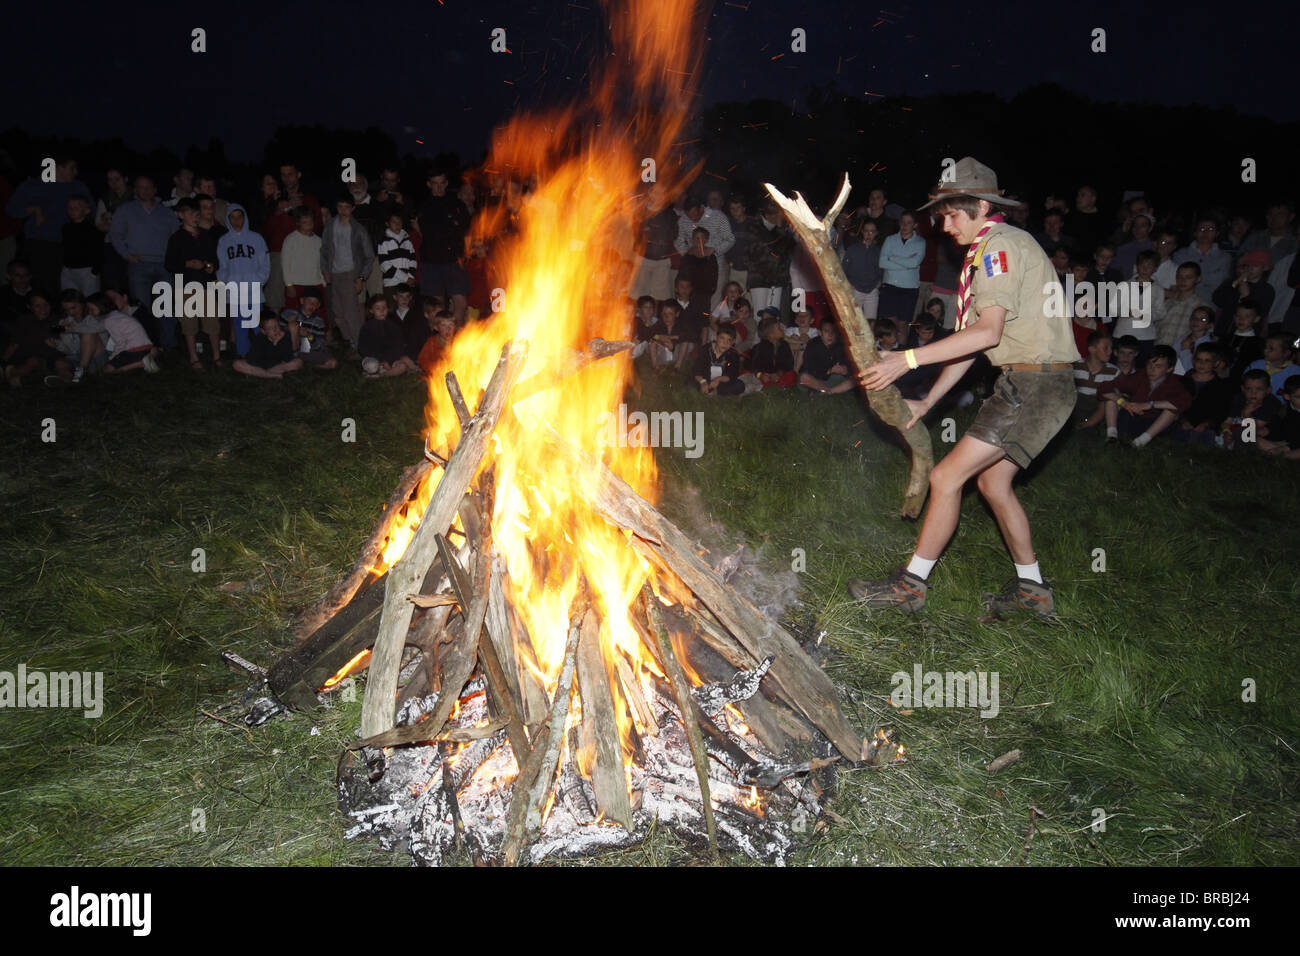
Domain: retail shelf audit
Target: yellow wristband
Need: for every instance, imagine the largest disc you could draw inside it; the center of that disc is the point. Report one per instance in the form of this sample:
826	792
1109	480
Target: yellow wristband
910	357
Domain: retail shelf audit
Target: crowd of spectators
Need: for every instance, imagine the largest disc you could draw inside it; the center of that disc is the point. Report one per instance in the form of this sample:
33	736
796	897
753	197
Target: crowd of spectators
1186	326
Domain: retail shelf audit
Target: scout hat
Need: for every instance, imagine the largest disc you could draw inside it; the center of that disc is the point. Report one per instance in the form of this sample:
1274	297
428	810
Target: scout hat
969	177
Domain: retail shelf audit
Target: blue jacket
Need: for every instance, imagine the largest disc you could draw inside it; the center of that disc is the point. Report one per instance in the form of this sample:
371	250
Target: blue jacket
137	232
242	255
53	200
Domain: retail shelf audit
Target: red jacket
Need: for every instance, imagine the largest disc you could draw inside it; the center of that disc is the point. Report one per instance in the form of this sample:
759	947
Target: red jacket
1137	387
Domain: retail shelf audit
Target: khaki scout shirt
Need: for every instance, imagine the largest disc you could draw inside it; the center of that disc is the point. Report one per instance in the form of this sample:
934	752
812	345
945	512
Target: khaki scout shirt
1011	270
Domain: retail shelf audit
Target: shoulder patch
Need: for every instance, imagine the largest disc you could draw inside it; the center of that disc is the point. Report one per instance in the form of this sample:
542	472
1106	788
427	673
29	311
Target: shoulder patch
995	263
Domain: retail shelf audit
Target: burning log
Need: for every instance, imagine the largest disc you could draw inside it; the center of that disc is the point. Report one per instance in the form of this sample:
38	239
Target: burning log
411	567
338	596
685	707
546	740
599	721
887	403
804	683
298	675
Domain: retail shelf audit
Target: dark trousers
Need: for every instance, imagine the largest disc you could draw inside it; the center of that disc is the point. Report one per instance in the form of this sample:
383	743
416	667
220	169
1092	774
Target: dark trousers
113	272
46	259
897	304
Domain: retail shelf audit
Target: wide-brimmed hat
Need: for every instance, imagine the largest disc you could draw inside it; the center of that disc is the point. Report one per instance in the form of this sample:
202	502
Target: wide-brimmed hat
970	177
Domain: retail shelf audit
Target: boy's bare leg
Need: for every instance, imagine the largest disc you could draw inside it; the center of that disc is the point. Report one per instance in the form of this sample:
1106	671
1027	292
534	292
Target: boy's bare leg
91	343
969	458
191	339
214	338
995	485
1112	414
1164	421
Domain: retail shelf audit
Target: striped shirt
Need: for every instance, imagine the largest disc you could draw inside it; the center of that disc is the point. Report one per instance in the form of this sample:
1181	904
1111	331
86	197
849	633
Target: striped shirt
1087	382
396	255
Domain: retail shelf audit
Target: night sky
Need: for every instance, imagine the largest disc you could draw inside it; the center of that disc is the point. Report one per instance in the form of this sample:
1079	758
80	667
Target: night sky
423	70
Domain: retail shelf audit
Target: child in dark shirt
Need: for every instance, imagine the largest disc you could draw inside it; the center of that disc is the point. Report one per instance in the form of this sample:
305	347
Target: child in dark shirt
1210	397
717	368
771	360
382	344
271	353
825	369
1255	402
83	249
31	350
1285	440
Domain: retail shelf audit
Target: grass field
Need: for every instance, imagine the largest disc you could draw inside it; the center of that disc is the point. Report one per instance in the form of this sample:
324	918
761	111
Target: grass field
1130	707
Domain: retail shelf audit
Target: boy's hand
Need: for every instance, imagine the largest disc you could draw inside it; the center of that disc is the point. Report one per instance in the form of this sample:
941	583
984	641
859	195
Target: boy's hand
359	284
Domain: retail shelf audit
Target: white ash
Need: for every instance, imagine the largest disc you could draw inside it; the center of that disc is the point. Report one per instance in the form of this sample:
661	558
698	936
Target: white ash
410	804
712	698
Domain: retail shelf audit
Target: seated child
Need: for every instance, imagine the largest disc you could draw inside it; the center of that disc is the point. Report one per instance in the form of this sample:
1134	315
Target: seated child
886	331
1089	375
745	324
732	294
32	348
82	337
442	328
798	336
129	348
1286	430
825	369
1278	361
1210	397
771	359
1144	404
1127	349
717	367
672	341
1202	331
1255	401
308	332
382	344
271	353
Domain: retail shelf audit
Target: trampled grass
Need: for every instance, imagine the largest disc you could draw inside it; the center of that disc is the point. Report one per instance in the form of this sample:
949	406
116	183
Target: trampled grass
1128	708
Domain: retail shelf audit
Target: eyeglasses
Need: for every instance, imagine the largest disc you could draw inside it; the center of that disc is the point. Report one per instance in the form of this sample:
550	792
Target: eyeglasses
1207	228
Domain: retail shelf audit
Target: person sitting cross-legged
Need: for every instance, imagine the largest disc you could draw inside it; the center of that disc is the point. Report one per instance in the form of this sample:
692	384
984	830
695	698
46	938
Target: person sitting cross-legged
1144	404
717	366
271	353
825	368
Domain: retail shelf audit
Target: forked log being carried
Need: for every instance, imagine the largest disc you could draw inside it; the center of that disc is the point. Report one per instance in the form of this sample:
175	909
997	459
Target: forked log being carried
888	403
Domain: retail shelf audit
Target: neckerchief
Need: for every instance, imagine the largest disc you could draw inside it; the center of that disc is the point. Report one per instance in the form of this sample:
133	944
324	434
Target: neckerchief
968	271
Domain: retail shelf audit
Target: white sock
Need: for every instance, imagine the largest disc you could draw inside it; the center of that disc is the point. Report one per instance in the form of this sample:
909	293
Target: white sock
1141	440
1112	432
921	567
1029	572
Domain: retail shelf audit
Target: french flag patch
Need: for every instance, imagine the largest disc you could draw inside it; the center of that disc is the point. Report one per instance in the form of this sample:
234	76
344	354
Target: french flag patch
995	264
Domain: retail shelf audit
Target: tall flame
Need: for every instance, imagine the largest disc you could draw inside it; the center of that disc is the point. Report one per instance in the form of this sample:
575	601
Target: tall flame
567	258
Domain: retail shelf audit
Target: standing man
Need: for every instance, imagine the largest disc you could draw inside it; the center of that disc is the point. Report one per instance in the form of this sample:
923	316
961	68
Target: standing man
654	269
715	222
1215	263
1004	295
139	233
346	259
44	207
900	262
117	195
442	224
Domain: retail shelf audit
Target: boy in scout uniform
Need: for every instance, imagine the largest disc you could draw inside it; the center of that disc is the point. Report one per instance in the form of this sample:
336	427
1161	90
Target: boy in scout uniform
1003	310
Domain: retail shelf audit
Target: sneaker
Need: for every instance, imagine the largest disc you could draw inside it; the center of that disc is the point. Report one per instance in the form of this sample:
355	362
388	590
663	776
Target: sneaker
54	381
1022	595
901	589
150	364
77	373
